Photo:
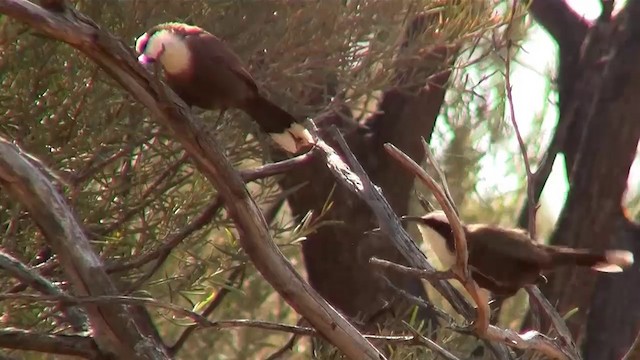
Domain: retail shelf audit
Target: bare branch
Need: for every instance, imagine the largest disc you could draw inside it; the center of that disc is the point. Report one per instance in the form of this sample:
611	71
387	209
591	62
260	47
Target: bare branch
423	274
533	194
423	303
558	323
119	62
359	183
512	115
74	345
277	168
288	346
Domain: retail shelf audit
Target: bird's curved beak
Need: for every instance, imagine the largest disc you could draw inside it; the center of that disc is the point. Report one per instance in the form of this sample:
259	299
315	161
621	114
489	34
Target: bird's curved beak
145	61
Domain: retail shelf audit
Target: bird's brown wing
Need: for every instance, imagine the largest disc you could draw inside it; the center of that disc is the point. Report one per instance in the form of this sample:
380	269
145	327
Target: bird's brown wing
224	69
510	261
517	246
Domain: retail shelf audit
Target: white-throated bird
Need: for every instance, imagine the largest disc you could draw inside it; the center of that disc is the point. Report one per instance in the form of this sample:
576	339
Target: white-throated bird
503	260
206	73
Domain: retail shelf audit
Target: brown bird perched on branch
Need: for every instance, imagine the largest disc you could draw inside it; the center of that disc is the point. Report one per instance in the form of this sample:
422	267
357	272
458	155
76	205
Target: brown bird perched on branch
503	260
206	73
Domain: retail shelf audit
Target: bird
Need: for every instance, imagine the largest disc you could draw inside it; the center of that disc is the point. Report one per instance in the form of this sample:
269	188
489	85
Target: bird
206	73
503	260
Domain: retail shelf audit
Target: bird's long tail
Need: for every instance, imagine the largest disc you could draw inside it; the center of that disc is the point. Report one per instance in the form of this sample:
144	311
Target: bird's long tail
281	126
605	261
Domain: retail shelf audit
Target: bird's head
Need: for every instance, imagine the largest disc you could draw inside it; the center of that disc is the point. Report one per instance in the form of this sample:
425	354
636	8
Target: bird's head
434	221
167	44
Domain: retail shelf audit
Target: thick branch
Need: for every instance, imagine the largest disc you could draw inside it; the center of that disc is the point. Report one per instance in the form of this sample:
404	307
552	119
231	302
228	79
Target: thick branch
119	62
52	344
560	21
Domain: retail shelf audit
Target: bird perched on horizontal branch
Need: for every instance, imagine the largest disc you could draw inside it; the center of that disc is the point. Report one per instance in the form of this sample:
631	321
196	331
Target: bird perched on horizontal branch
206	73
503	260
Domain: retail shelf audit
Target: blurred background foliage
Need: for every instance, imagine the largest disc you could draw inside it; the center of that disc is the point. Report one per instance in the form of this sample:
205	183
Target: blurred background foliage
133	188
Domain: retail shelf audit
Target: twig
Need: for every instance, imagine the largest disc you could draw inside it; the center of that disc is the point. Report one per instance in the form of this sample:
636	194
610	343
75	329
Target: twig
430	344
43	269
532	196
359	183
276	168
512	115
217	300
288	346
460	268
269	215
541	175
558	323
423	274
421	302
440	172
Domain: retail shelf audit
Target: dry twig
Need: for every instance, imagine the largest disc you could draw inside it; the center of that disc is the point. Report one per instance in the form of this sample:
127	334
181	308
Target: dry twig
533	194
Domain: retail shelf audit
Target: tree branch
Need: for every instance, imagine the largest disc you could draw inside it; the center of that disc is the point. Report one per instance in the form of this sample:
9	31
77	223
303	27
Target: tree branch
53	344
560	21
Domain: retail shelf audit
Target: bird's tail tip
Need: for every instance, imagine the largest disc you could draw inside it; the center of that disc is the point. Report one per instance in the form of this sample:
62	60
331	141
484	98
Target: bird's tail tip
294	139
616	261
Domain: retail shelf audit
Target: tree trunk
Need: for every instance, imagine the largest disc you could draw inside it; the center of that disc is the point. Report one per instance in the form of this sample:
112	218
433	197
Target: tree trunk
598	109
336	256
